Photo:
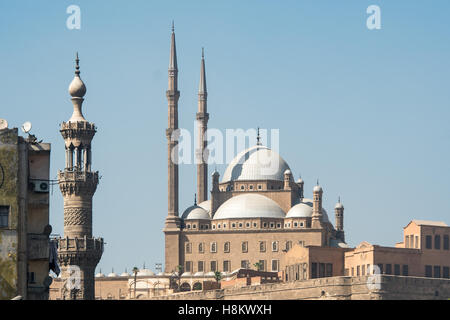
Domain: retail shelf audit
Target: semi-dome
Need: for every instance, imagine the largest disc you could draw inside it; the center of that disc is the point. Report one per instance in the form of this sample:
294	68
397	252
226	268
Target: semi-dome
305	210
195	212
249	205
206	205
256	163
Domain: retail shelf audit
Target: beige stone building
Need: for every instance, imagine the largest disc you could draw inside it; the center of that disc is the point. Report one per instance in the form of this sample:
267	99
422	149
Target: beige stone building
24	216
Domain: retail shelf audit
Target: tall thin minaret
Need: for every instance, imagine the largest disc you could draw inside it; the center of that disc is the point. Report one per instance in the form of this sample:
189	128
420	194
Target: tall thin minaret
173	222
78	252
202	124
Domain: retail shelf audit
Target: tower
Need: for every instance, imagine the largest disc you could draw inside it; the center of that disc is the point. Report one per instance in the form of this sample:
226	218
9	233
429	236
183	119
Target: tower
339	219
173	222
78	252
202	125
317	207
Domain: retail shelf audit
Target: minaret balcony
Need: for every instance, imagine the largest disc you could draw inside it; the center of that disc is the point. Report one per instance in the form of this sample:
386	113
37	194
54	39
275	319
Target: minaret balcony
78	175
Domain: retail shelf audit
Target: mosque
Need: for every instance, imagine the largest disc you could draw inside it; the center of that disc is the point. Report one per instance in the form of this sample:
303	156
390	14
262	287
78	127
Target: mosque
254	214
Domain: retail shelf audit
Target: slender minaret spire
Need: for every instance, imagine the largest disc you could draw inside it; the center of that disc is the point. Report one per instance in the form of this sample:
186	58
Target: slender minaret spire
202	125
172	97
173	255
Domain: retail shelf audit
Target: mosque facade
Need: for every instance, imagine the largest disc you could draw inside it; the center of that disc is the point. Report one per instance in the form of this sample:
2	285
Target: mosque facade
254	213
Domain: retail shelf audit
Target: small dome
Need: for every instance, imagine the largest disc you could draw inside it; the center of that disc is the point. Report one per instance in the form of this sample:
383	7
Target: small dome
145	272
206	205
125	274
210	274
77	89
99	275
317	188
305	210
249	205
112	274
199	274
287	172
300	181
339	206
186	274
195	212
215	173
256	163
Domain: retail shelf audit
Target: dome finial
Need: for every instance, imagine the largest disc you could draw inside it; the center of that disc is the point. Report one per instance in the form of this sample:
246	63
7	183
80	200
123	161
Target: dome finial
317	181
258	139
195	199
339	199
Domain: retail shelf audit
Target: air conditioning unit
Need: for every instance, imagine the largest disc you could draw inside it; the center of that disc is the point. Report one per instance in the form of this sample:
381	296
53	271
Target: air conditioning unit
41	186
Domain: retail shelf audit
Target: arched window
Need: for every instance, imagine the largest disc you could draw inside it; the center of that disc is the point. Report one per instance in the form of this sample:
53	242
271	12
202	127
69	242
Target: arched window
226	247
197	286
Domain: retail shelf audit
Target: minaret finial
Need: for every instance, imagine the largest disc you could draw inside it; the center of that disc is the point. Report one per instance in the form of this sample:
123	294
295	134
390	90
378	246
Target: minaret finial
77	67
317	181
258	139
203	53
339	199
173	26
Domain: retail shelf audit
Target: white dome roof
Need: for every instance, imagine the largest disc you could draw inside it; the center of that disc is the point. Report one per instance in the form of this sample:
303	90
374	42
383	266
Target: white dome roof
112	274
249	205
145	272
339	206
99	275
125	274
256	163
206	205
195	212
305	210
317	189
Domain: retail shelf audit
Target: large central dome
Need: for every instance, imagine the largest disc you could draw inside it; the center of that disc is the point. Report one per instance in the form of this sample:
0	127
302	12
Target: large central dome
256	163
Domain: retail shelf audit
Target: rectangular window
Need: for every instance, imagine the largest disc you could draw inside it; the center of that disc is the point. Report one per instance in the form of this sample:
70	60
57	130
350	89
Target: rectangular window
213	247
428	242
428	271
353	271
329	270
357	270
188	247
406	241
445	272
4	216
213	266
275	265
397	269
201	266
262	246
437	242
262	265
245	264
274	246
437	271
368	269
288	245
201	248
389	268
363	270
321	270
226	266
446	242
188	267
405	270
417	242
245	246
313	270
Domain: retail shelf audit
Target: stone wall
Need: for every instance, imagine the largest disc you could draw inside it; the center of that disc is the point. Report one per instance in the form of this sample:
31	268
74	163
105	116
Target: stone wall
335	288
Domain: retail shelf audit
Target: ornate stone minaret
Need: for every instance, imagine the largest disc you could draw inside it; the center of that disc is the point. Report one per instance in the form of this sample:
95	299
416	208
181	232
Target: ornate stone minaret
202	123
173	222
78	252
317	207
339	219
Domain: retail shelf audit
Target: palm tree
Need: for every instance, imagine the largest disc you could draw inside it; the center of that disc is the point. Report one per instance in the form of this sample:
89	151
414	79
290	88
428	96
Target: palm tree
135	271
258	266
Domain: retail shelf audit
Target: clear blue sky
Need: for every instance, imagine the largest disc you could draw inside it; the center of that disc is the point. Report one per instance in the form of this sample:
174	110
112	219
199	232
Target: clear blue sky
365	111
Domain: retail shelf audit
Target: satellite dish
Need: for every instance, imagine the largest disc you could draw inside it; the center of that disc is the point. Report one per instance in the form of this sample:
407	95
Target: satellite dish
3	124
26	127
